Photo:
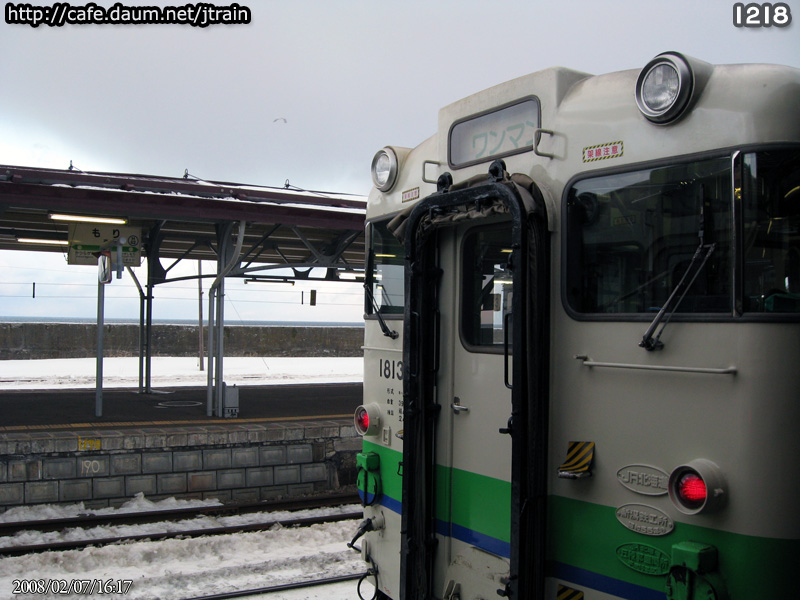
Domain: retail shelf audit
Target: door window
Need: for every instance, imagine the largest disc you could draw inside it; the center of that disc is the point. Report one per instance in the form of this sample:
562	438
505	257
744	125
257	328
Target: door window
487	286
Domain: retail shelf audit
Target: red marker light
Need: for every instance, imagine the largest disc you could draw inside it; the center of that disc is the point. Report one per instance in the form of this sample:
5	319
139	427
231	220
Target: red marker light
698	486
367	419
362	420
692	490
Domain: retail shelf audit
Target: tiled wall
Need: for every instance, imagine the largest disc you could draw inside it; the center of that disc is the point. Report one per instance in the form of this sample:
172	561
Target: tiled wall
233	463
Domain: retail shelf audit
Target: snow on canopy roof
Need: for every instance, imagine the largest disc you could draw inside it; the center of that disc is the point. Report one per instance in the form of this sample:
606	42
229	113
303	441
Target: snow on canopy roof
186	185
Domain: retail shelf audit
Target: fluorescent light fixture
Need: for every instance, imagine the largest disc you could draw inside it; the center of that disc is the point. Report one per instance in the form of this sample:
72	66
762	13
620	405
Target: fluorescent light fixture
23	240
85	219
267	279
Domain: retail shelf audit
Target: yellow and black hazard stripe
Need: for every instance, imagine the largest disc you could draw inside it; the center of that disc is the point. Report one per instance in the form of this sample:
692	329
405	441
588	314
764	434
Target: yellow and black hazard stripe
579	460
567	593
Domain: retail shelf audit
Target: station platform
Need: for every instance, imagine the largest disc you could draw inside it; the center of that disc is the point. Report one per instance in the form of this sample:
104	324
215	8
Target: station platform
58	394
66	410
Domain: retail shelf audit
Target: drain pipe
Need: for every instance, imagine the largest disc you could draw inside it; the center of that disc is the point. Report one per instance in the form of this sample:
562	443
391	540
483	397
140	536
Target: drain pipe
212	294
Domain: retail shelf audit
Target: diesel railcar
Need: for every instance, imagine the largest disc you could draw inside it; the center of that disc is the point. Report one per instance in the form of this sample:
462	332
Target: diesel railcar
582	347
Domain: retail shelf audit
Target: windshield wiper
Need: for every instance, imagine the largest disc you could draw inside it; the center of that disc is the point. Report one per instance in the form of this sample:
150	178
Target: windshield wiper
390	333
699	260
654	343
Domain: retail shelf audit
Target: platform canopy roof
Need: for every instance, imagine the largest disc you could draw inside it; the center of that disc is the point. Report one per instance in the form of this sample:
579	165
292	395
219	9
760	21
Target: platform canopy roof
284	225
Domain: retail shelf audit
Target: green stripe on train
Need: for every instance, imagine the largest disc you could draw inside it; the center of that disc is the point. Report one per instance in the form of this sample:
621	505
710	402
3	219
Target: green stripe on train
483	504
586	535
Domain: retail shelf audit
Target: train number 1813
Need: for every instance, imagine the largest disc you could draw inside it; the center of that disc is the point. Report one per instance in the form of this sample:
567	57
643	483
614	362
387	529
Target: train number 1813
391	369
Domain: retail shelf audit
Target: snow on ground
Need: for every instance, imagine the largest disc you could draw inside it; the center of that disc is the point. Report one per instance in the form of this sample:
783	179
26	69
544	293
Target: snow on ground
182	568
30	538
68	373
139	503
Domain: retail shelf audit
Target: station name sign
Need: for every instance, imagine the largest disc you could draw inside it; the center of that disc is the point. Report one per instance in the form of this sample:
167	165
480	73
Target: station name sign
87	239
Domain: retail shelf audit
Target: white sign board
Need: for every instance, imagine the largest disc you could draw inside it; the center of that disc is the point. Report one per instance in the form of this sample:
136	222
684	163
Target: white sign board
87	239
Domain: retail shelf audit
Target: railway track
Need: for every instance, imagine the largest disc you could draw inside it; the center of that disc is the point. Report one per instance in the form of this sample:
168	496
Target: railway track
185	515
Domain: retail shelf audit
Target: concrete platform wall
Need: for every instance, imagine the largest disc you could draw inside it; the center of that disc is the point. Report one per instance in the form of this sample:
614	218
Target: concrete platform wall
76	340
241	463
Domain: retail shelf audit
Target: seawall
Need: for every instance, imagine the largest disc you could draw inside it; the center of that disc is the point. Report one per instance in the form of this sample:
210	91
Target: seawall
79	340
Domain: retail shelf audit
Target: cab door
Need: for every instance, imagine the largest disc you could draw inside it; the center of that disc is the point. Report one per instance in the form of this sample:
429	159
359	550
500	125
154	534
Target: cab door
475	395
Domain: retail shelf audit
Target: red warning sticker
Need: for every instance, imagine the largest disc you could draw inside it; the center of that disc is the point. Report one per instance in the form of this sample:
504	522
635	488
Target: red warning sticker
602	151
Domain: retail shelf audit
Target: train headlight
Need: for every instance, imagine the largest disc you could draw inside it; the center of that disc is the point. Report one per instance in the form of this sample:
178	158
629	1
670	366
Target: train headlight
697	487
384	169
367	419
664	87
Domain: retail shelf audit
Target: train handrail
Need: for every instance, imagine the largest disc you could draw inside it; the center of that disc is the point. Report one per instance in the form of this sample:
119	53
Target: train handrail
588	362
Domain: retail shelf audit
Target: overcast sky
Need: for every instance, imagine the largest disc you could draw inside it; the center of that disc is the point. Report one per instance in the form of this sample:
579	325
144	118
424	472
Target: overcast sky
311	89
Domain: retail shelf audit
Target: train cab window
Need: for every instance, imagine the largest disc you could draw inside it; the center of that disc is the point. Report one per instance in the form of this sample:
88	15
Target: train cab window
770	194
385	272
631	238
487	286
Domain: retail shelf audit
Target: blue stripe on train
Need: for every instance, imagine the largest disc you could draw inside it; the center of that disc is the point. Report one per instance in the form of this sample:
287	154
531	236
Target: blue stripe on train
602	583
464	534
475	538
383	500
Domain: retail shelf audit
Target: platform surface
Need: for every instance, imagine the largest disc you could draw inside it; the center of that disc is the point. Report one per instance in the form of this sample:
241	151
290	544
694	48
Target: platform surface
60	394
124	408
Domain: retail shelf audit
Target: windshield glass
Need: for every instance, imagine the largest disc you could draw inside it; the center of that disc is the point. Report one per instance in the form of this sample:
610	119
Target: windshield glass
385	279
632	236
770	192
